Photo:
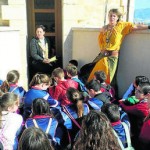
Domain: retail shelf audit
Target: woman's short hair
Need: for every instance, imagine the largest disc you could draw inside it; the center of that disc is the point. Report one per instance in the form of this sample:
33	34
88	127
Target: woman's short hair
117	12
42	27
34	139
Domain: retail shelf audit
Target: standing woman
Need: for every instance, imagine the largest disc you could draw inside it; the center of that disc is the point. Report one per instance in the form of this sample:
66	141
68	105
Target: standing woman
40	51
110	40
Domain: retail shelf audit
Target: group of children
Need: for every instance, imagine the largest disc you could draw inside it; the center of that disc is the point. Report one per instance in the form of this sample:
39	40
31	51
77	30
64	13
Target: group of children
72	114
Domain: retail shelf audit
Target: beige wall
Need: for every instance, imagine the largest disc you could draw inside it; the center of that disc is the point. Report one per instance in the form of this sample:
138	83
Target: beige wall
134	54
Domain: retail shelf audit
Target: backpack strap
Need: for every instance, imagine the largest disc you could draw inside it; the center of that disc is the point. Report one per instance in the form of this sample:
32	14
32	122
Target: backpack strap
127	134
129	146
48	127
14	89
93	105
35	123
71	117
119	141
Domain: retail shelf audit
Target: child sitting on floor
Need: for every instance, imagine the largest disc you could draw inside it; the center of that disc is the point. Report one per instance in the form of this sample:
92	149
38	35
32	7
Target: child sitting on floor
121	127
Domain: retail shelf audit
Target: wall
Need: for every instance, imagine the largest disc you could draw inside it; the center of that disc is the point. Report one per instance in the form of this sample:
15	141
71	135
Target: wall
134	54
15	12
134	59
10	52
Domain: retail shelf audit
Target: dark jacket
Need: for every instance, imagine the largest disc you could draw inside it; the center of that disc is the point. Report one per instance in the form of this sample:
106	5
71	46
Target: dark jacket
36	51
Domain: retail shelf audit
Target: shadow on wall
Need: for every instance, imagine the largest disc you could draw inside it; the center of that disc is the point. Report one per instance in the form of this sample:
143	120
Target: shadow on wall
67	49
133	60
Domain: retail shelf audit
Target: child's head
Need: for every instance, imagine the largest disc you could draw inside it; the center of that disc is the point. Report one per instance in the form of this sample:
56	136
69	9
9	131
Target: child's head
40	79
12	78
40	107
140	79
73	62
96	132
100	76
34	139
111	111
75	97
142	91
93	87
58	74
8	102
71	70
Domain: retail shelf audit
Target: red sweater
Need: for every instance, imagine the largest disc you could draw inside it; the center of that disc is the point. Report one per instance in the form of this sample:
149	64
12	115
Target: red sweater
58	92
145	132
140	109
137	113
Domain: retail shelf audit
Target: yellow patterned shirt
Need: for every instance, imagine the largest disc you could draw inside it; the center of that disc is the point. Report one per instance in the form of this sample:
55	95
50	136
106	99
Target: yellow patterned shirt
112	40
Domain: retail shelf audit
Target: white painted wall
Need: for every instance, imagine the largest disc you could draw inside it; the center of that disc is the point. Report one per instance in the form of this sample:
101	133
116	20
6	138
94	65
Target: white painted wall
134	54
10	52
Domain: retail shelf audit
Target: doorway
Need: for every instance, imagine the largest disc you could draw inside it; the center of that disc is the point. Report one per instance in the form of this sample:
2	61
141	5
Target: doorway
49	14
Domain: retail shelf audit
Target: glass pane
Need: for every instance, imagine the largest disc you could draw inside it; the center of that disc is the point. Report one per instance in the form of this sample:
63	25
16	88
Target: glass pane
52	43
141	12
44	4
46	19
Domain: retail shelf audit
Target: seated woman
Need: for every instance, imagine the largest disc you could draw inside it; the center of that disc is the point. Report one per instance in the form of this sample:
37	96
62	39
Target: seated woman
41	117
75	111
38	89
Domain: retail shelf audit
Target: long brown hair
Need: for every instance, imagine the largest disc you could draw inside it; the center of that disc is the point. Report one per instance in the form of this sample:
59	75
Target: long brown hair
12	78
75	97
39	78
96	133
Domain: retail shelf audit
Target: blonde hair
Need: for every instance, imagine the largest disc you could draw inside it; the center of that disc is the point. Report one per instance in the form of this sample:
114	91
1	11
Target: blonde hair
117	12
12	78
38	79
58	72
7	100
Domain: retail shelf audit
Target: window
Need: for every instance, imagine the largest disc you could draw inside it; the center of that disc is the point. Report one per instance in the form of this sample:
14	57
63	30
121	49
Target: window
142	11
